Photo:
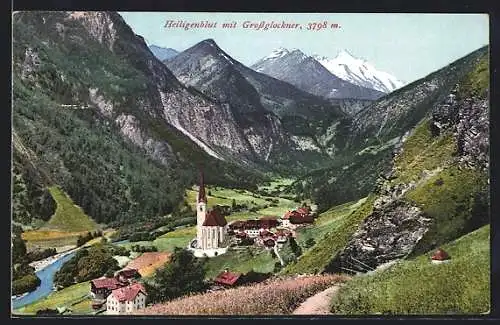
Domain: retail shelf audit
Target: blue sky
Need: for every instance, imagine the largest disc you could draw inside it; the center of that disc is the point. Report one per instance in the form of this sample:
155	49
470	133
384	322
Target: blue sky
409	46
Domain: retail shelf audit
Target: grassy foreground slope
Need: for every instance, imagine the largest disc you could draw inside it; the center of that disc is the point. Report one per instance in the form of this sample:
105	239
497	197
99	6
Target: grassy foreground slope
460	286
272	297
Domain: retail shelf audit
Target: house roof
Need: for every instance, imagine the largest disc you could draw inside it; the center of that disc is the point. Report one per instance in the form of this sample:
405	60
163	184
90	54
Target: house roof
270	242
238	224
129	272
227	277
290	214
107	283
303	210
266	233
301	219
214	218
128	293
440	255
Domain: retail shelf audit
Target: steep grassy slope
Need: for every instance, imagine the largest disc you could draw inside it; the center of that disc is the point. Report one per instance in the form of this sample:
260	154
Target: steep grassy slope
416	286
453	199
68	216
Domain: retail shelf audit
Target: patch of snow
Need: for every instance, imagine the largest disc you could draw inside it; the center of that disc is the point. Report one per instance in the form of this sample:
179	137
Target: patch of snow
359	72
277	53
227	58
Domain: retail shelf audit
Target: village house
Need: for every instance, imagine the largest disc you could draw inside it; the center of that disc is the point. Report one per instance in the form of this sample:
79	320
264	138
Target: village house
126	300
253	227
302	215
128	275
102	288
227	279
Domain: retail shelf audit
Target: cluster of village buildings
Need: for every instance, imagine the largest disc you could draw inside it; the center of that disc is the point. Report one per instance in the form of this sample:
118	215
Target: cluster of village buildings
214	235
120	294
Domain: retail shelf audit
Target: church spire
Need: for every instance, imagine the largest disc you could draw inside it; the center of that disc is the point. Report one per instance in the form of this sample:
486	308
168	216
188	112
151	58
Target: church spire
202	197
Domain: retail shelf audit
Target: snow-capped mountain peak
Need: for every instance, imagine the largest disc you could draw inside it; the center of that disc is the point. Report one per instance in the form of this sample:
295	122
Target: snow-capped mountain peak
360	72
277	53
345	55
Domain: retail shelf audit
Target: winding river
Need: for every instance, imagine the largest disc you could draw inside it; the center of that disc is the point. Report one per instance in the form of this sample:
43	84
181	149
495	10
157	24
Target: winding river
46	276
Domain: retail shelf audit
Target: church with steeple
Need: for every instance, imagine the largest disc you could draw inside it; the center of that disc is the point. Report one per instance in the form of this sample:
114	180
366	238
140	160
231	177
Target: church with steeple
211	227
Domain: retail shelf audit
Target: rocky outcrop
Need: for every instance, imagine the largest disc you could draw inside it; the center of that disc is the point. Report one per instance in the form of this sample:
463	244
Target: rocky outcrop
389	233
468	117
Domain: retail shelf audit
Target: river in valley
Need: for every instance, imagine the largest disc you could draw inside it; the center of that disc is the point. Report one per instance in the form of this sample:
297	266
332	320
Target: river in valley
46	276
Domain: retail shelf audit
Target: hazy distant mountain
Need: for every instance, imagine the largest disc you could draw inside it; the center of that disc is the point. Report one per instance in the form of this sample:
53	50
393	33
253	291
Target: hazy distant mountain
359	72
163	53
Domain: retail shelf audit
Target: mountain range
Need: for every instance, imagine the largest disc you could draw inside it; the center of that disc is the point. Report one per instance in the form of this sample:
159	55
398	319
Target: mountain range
306	73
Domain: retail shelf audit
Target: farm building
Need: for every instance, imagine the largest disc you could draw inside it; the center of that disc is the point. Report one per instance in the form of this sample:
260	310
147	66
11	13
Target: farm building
227	279
101	288
127	274
126	300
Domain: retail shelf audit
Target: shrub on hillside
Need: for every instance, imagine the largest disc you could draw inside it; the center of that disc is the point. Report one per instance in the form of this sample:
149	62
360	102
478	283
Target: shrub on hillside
87	264
25	284
184	274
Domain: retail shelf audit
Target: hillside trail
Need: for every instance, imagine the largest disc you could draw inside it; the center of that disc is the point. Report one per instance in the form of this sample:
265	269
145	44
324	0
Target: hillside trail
319	304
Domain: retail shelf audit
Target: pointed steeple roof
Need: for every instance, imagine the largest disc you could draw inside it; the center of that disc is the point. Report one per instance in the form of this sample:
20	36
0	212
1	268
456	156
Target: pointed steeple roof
202	197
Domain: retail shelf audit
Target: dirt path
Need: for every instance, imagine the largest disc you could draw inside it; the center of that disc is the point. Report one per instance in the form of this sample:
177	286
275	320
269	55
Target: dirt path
319	304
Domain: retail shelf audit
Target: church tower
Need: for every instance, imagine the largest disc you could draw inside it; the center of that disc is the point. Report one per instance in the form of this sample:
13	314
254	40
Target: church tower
201	209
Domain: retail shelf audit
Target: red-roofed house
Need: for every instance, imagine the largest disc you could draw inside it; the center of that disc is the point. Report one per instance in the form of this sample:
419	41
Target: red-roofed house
101	288
300	219
227	278
286	219
126	300
128	274
305	211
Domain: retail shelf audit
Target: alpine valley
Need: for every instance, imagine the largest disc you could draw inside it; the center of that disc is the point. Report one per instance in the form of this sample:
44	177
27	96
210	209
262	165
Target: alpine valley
109	136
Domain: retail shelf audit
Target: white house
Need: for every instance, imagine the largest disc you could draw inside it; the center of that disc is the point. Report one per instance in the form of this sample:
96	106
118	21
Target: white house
126	300
252	233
